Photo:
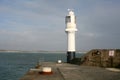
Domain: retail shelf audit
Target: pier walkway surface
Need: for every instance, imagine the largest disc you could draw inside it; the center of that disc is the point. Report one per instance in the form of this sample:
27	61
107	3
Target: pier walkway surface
65	71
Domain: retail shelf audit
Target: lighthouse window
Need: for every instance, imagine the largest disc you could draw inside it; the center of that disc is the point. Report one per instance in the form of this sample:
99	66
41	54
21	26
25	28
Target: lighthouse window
68	19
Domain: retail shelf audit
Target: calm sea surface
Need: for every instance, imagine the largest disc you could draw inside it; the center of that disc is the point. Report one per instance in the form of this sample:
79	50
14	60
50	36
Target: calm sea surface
14	65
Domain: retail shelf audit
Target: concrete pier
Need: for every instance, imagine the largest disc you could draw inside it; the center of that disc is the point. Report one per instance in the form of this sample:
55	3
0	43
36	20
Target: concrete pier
65	71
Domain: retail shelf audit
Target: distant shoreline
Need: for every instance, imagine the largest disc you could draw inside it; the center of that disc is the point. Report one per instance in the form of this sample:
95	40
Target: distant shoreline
18	51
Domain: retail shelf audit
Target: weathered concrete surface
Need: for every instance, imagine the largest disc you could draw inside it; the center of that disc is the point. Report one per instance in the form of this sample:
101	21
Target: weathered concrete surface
35	75
66	71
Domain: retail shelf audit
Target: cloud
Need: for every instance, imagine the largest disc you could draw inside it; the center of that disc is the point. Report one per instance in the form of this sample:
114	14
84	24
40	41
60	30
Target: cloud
39	24
99	28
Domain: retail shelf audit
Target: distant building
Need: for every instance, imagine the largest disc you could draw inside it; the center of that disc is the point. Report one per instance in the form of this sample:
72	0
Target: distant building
102	58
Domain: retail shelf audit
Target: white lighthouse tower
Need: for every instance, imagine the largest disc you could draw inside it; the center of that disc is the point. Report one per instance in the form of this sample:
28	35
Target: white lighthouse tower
70	21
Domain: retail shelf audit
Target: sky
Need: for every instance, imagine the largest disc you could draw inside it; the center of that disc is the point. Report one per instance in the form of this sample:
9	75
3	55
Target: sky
40	24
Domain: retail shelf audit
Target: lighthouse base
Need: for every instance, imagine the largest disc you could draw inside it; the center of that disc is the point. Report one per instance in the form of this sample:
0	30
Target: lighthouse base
70	56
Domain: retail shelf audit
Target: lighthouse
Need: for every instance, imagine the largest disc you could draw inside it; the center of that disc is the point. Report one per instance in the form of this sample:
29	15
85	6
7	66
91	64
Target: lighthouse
70	21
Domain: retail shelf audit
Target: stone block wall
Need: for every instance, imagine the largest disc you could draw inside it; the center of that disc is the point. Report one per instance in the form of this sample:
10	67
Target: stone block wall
102	58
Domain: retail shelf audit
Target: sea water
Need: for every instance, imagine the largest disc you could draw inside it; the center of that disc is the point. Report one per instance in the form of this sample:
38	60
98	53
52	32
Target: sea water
14	65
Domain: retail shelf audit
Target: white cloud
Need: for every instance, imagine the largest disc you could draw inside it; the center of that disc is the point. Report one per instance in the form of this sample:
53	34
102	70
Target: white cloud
39	24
